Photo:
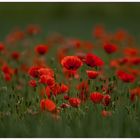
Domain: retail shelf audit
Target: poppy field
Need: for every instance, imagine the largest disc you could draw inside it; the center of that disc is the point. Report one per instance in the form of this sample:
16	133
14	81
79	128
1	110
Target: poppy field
62	86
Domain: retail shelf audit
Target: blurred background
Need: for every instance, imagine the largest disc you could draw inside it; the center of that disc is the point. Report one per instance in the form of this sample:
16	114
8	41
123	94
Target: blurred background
70	19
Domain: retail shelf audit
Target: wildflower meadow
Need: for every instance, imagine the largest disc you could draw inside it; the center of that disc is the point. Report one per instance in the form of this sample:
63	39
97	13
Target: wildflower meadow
69	76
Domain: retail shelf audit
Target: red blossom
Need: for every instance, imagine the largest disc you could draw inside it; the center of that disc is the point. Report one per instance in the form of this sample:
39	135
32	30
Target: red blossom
42	104
114	63
134	93
6	69
110	48
48	91
106	100
75	102
134	60
123	61
120	35
55	89
46	71
125	77
66	97
99	31
93	60
131	51
105	113
92	74
50	105
47	104
2	47
7	77
64	88
33	30
32	83
71	63
33	71
44	79
96	97
132	97
15	55
41	49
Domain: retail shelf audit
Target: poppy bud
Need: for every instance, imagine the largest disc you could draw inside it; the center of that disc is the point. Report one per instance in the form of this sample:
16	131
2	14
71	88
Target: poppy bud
96	97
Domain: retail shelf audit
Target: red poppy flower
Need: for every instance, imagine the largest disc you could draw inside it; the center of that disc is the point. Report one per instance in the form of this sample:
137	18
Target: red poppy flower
71	63
120	35
114	63
74	102
92	74
48	91
99	31
7	77
33	71
134	93
131	51
41	49
66	97
18	35
106	100
32	83
15	55
132	97
33	30
6	69
135	72
44	79
110	48
93	60
2	47
42	104
46	71
96	97
123	61
125	77
134	60
16	71
15	36
50	105
64	88
56	89
105	113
